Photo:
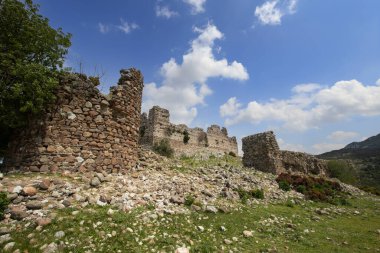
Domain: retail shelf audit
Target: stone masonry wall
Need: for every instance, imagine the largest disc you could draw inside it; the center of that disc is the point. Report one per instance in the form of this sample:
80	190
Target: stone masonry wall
83	130
262	152
157	126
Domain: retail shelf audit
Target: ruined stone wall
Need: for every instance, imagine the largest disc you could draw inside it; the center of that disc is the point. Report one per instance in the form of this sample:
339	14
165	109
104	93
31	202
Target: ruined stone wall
157	126
262	152
83	129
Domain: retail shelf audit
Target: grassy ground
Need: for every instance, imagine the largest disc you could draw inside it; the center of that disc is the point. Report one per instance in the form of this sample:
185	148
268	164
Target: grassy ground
276	228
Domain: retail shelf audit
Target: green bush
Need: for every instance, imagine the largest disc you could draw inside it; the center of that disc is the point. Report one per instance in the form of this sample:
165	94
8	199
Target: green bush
245	195
186	137
343	171
4	202
283	185
257	194
163	148
189	200
314	188
232	154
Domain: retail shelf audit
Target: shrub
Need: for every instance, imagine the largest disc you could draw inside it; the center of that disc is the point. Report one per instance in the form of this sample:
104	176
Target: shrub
285	186
342	170
246	195
189	200
4	202
232	154
314	188
186	137
257	194
301	189
163	148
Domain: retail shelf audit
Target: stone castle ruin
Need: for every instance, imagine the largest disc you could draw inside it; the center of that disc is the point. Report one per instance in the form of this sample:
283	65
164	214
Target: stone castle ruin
262	152
83	130
157	126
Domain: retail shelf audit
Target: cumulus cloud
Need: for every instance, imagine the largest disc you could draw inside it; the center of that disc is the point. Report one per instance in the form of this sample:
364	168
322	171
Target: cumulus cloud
271	12
184	84
123	27
197	6
342	135
127	27
103	28
289	146
320	148
311	106
230	108
165	12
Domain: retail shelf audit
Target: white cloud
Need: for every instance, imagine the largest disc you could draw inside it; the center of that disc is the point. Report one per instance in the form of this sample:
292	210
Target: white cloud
103	28
127	27
326	147
378	82
306	88
342	135
197	6
184	84
271	12
231	108
315	107
165	12
289	146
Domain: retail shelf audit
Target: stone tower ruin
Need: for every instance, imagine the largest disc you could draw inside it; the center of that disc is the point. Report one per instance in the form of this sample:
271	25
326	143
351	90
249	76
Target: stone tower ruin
262	152
83	130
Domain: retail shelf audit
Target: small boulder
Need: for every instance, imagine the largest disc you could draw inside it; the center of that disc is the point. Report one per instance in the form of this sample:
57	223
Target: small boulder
18	214
59	234
182	250
34	205
9	246
43	221
17	189
247	233
211	209
29	191
44	184
95	182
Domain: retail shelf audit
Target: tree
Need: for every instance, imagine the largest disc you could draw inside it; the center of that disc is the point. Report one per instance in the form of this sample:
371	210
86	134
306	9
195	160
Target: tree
31	55
186	137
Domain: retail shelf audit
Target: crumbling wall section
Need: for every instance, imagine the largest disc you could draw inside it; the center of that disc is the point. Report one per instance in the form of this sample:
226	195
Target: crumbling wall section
262	152
157	126
83	130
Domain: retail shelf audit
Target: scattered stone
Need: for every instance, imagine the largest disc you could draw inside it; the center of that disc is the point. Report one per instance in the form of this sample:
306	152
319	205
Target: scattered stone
177	200
226	241
59	234
5	238
29	191
44	184
9	246
12	196
182	250
4	230
222	228
43	221
247	233
66	203
18	214
211	209
95	182
17	189
51	248
34	205
208	193
201	228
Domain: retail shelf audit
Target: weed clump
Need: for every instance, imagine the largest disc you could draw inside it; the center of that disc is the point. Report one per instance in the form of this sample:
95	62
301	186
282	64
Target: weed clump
232	154
163	148
189	200
314	188
4	202
246	195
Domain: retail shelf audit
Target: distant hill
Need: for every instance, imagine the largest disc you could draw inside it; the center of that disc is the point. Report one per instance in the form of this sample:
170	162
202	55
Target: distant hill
365	158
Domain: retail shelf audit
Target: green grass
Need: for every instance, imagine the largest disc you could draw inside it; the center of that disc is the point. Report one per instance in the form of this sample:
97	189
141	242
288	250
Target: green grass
333	233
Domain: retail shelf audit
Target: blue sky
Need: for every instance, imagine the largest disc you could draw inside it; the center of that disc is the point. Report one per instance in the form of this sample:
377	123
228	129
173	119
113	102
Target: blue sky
307	69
